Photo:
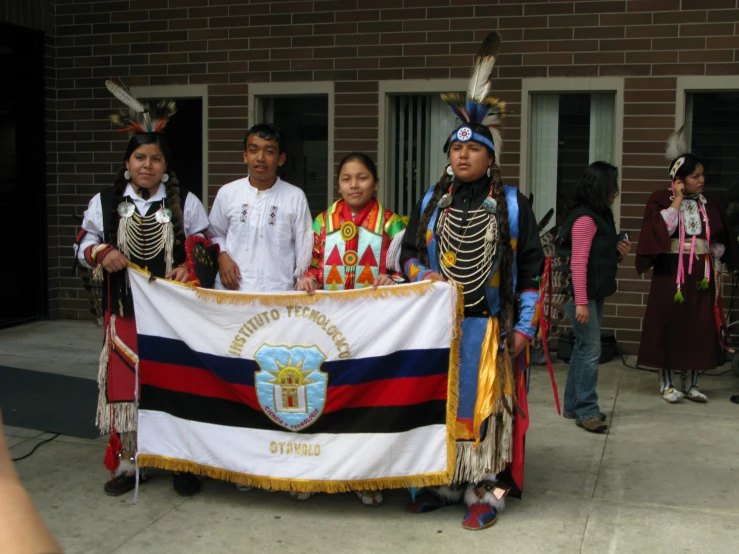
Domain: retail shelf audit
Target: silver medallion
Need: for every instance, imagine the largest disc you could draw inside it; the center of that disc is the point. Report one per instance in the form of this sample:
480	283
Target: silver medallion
163	215
490	206
126	209
445	201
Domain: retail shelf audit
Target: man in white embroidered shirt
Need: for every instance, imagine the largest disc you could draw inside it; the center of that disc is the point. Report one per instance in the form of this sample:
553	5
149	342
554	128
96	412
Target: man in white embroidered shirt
261	223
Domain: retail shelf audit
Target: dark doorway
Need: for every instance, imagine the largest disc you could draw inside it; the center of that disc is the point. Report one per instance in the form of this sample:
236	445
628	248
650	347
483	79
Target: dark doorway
22	176
185	134
303	121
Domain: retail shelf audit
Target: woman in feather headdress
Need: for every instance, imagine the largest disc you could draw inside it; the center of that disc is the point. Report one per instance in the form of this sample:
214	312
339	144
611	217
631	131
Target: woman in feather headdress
472	229
143	218
685	238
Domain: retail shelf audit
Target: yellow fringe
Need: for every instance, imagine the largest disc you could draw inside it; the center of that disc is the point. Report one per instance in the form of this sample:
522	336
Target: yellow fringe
298	485
452	399
292	299
145	271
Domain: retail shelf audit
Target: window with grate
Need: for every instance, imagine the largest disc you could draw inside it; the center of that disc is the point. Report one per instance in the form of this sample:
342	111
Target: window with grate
418	126
712	129
568	132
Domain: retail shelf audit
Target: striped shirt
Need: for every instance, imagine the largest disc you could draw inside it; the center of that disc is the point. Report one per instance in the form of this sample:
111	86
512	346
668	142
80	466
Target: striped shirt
583	232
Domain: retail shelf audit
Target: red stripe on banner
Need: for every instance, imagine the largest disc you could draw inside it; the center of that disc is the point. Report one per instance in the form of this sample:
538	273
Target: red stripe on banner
387	392
405	391
195	381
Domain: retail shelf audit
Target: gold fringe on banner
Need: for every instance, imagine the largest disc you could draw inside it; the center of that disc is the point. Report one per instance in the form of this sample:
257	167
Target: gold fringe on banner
297	485
291	299
145	271
452	399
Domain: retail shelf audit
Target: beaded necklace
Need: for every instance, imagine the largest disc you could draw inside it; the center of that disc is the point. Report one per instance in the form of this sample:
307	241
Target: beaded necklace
468	266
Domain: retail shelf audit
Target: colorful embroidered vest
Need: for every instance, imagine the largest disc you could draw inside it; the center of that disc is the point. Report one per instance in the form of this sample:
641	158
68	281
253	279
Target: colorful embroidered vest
353	255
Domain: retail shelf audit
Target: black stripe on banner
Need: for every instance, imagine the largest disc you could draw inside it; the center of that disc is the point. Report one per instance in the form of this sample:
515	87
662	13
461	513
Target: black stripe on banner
390	419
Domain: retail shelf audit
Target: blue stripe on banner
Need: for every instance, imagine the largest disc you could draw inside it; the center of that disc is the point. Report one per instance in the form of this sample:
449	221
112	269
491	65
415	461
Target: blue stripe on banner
404	363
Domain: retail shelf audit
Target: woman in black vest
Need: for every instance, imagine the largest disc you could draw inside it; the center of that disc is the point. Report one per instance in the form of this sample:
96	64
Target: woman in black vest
588	237
143	218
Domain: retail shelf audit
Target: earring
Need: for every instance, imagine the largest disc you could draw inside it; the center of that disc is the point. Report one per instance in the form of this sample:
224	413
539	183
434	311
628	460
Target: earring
165	178
449	170
490	171
126	175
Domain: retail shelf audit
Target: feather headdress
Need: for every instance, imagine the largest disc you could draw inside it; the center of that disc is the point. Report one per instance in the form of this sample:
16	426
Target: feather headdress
477	106
676	146
140	117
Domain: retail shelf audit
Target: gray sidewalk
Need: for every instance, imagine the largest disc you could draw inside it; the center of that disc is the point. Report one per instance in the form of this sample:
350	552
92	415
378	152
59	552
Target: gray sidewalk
665	478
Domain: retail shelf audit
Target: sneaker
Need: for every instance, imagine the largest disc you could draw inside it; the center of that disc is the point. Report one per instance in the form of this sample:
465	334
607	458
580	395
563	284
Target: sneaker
571	415
369	498
186	484
696	396
122	484
243	488
301	496
592	424
480	516
672	395
427	501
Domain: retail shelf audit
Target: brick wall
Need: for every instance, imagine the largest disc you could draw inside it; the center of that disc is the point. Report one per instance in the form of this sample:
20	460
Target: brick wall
228	44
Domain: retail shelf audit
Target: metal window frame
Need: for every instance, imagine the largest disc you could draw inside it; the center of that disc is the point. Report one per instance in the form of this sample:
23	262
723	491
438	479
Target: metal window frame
405	87
184	91
533	85
302	88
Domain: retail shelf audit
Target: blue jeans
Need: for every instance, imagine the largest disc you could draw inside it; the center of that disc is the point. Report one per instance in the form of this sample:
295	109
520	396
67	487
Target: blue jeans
581	397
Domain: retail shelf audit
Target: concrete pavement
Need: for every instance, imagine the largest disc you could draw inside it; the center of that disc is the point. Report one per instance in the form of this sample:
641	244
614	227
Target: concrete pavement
665	478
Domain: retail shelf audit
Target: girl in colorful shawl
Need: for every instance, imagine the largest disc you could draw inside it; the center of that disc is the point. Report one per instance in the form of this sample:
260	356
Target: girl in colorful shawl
357	240
356	245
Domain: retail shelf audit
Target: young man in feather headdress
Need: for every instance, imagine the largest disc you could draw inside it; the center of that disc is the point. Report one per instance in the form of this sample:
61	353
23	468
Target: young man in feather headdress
474	230
143	218
687	239
261	223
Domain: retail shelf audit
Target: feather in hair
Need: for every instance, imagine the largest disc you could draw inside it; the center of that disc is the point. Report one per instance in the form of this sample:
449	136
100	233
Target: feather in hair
479	85
496	111
482	74
676	144
124	96
457	104
147	121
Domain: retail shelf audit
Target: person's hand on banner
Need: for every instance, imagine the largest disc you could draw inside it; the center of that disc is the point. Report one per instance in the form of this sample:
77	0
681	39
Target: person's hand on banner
383	281
180	274
434	276
307	284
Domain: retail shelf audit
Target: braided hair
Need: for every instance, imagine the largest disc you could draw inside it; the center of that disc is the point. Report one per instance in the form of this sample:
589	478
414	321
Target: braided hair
507	297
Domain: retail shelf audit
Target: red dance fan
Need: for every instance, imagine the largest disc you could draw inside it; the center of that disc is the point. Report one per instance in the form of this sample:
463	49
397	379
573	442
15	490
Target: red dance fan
202	260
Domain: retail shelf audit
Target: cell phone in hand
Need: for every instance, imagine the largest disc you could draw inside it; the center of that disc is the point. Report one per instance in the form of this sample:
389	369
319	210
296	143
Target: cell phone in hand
622	237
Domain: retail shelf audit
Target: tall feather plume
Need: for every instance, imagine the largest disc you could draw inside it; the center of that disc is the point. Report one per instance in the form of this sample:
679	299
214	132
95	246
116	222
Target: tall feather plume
676	144
480	84
124	96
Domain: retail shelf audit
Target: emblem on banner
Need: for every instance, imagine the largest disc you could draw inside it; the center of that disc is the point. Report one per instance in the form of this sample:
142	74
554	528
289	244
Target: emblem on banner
290	386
